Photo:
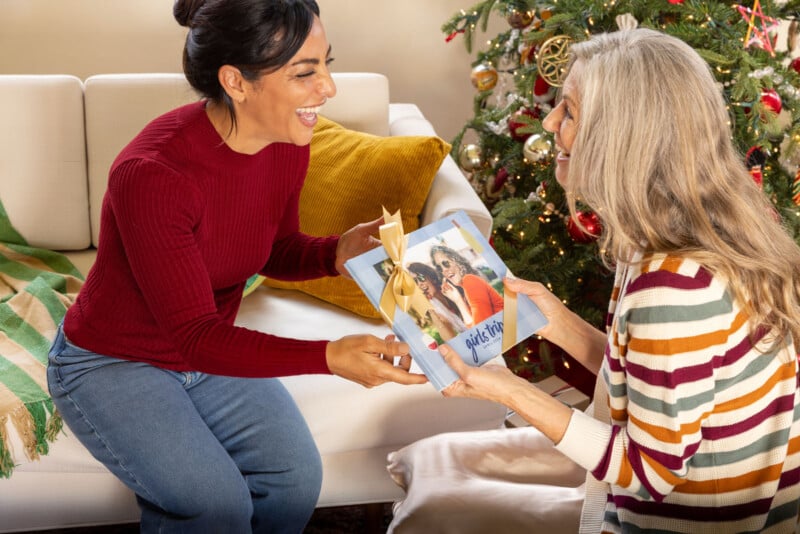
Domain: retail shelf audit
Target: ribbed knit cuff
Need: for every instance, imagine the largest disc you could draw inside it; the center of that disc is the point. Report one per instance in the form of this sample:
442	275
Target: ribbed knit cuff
585	441
329	255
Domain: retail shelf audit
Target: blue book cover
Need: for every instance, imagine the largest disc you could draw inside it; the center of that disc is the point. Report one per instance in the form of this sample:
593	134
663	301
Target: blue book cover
460	277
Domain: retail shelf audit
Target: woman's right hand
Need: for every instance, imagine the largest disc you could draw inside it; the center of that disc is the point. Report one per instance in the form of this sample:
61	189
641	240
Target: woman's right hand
450	291
369	360
445	327
564	328
555	311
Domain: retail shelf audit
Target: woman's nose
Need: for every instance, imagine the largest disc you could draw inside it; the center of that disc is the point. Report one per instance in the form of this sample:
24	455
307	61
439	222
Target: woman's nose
550	122
328	86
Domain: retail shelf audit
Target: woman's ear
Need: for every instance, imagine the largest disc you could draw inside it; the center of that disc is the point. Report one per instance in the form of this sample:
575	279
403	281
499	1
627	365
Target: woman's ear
232	82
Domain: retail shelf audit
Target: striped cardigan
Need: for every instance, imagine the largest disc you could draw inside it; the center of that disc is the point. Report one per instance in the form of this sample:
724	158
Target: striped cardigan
701	431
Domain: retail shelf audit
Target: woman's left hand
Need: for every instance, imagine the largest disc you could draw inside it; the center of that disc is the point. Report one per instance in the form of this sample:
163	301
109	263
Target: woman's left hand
355	241
498	384
489	382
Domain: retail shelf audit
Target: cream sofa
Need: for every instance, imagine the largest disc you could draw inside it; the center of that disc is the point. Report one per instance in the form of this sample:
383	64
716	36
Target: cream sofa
60	137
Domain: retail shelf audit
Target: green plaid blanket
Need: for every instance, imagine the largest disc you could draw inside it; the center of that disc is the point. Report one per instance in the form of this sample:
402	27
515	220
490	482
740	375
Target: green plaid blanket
36	288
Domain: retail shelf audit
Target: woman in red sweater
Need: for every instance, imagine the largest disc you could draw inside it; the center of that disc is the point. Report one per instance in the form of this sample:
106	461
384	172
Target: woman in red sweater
149	370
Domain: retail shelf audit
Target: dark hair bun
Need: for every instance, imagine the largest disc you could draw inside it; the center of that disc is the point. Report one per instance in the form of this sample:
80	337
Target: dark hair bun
184	11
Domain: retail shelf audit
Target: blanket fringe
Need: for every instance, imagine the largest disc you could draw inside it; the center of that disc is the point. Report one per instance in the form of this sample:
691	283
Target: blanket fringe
37	425
6	461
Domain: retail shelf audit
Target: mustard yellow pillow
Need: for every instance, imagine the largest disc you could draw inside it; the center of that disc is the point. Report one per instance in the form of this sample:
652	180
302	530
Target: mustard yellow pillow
350	176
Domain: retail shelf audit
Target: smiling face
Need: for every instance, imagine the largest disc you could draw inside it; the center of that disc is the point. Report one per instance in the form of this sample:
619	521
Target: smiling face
282	106
450	269
562	121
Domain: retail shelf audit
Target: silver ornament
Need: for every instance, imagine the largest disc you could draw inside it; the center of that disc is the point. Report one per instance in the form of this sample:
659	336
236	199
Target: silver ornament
470	158
537	148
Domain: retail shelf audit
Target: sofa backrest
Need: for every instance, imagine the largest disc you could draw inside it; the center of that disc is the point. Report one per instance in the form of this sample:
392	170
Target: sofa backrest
43	183
53	170
118	106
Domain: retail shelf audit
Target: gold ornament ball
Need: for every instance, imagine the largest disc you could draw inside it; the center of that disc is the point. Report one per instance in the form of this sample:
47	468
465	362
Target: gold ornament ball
469	157
520	18
484	77
537	148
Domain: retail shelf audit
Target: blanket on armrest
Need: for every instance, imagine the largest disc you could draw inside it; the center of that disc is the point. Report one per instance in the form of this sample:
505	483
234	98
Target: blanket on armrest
36	288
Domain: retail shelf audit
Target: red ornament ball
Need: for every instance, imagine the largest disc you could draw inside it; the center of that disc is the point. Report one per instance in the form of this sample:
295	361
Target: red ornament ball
795	64
755	159
588	220
516	122
543	92
772	100
674	2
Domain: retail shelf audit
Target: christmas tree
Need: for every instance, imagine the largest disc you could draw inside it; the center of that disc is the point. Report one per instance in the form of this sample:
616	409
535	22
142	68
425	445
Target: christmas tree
507	154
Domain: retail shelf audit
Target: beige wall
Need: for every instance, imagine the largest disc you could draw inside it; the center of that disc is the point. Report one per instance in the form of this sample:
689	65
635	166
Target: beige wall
400	39
404	41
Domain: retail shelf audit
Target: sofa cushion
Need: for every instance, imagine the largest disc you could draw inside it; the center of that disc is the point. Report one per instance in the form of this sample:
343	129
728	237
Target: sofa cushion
351	176
43	160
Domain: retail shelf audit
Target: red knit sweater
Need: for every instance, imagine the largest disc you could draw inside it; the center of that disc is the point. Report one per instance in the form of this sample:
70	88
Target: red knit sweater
185	221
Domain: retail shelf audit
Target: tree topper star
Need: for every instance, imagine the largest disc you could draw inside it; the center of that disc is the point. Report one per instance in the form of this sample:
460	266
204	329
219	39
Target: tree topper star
760	35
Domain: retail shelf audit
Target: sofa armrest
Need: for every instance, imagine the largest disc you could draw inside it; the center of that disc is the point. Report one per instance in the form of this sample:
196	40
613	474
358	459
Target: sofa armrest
450	191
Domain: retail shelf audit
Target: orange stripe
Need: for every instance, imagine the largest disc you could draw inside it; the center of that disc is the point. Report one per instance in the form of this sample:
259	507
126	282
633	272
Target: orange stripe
667	347
615	293
618	415
671	264
625	473
752	479
794	445
784	372
666	475
666	435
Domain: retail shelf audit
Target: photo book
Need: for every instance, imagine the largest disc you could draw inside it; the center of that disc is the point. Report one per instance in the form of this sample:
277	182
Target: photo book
443	284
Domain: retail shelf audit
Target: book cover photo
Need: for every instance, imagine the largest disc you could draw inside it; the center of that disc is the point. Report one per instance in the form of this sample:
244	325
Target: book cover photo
457	295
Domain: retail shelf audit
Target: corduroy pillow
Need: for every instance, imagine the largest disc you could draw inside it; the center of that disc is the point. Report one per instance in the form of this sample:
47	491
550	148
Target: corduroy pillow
351	175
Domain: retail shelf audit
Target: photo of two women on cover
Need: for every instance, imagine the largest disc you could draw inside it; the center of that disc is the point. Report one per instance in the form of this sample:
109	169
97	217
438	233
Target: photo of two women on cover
457	282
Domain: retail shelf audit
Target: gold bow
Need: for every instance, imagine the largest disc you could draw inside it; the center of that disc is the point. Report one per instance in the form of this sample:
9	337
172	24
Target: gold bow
401	290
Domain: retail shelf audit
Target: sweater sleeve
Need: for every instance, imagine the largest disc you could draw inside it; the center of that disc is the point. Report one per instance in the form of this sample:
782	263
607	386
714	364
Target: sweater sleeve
299	256
660	375
157	212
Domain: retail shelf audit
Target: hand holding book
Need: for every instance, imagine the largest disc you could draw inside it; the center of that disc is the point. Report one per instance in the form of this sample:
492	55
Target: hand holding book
444	282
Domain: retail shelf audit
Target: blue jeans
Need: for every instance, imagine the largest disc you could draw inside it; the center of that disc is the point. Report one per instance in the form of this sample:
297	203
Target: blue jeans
203	453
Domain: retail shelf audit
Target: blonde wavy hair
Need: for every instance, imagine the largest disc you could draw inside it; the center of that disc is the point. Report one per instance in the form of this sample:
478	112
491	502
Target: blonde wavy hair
654	157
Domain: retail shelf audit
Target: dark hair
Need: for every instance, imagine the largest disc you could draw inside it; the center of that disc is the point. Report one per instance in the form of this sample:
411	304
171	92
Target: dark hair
425	270
433	275
455	256
255	36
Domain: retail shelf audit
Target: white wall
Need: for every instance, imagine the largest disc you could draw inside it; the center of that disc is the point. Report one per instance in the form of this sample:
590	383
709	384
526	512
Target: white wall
401	39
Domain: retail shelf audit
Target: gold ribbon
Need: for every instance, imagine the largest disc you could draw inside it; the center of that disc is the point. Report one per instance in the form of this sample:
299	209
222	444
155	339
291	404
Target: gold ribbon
401	290
509	319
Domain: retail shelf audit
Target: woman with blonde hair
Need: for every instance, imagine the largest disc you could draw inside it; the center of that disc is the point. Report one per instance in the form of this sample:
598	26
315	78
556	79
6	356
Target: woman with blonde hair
462	283
695	422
